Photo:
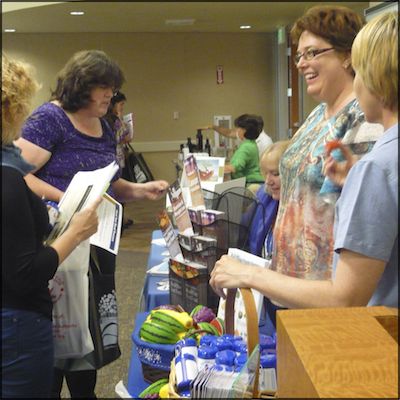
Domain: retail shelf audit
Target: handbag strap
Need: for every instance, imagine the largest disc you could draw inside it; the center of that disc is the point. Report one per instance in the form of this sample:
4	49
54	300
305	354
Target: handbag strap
251	323
95	258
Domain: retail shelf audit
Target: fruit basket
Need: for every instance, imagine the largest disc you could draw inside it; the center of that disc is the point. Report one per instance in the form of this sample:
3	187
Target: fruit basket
252	343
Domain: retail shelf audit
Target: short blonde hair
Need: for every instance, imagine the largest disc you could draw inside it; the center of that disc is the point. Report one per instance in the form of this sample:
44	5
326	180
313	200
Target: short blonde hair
275	150
375	57
17	90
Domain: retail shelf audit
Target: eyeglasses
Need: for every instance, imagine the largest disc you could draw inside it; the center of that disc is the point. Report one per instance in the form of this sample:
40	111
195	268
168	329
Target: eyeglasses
309	54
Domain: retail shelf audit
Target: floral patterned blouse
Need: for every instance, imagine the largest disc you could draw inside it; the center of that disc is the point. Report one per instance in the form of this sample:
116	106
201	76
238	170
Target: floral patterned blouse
303	234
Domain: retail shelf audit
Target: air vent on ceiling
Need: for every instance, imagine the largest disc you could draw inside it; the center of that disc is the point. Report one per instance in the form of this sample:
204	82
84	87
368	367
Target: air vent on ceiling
180	22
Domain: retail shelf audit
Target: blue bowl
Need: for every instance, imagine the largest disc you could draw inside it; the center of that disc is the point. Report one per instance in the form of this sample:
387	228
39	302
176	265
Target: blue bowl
156	355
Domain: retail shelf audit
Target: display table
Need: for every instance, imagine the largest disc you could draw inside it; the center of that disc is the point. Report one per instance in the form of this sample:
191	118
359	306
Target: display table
136	382
154	293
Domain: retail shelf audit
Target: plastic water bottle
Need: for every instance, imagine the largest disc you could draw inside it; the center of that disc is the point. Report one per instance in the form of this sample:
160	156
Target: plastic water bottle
185	370
205	356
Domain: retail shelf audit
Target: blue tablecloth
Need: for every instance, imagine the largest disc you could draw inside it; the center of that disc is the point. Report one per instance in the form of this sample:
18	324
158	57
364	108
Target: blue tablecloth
153	293
136	382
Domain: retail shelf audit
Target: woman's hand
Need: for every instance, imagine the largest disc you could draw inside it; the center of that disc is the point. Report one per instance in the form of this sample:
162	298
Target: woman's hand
84	223
337	171
229	273
154	190
126	191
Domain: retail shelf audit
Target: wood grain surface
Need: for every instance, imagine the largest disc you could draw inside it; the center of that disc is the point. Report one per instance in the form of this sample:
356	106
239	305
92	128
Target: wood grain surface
338	353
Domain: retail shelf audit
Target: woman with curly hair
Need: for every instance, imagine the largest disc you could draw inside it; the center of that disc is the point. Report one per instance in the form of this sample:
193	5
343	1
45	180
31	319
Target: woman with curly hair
27	264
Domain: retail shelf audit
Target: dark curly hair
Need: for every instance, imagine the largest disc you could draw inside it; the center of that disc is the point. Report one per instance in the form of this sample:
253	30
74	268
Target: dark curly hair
84	71
252	124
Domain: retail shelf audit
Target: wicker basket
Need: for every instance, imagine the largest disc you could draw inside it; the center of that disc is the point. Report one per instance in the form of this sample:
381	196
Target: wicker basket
252	338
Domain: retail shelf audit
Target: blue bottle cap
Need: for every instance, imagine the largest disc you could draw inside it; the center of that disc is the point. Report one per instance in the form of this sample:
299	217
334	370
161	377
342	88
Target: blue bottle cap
225	357
189	342
268	360
240	360
207	339
240	347
267	342
206	352
228	336
184	393
223	344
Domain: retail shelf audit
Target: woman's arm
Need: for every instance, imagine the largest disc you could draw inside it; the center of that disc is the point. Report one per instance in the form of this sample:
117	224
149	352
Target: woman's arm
356	279
38	157
126	191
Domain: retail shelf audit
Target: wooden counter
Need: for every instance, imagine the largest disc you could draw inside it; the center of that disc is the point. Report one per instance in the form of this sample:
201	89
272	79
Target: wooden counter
338	353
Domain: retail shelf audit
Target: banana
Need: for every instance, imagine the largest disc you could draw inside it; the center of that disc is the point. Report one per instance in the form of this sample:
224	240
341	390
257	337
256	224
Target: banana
164	392
154	388
182	317
154	333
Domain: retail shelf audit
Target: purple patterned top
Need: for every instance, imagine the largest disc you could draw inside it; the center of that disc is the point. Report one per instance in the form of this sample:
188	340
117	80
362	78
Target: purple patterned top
71	151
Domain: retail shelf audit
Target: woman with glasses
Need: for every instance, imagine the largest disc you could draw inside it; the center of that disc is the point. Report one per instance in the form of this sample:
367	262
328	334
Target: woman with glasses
303	232
366	247
69	134
303	235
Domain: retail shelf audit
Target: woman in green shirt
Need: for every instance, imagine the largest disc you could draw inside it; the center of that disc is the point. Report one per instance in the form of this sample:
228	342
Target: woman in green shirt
245	160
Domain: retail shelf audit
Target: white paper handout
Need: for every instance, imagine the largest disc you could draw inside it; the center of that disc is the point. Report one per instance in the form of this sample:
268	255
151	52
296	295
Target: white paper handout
240	313
84	188
110	221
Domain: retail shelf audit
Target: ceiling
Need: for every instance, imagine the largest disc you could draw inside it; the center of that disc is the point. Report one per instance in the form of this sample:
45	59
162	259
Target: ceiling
114	16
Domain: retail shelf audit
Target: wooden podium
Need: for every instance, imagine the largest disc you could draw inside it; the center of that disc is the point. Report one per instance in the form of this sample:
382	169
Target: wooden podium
338	353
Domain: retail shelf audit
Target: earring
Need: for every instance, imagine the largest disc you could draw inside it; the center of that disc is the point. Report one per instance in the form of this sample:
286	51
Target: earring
346	64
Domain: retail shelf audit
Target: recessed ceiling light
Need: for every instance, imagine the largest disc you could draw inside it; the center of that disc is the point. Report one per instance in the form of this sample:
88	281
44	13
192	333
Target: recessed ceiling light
77	13
9	30
245	26
180	22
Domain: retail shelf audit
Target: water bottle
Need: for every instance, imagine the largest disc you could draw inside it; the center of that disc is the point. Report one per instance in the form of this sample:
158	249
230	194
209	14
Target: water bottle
207	147
205	356
185	371
267	380
199	138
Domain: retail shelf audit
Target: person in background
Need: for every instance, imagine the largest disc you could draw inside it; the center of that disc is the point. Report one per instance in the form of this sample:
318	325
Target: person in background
260	236
114	117
263	141
123	136
261	230
67	135
365	265
27	264
245	159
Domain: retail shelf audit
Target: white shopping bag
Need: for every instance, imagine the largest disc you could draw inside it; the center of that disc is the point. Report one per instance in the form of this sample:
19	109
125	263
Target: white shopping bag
69	290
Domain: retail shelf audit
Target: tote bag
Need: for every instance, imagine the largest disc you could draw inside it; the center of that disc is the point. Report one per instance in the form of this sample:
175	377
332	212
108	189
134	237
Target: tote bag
69	290
103	309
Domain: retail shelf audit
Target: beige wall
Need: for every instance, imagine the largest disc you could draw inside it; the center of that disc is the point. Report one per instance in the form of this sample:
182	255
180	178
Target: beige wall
167	73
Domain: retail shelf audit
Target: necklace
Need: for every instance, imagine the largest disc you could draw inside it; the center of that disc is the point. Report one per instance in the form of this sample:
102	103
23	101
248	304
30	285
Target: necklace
347	100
